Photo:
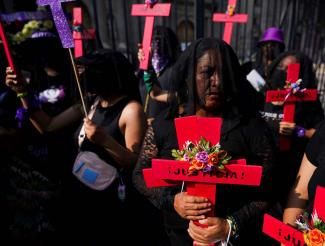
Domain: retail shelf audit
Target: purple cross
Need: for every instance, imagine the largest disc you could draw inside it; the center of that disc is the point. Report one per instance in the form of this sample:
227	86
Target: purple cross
60	21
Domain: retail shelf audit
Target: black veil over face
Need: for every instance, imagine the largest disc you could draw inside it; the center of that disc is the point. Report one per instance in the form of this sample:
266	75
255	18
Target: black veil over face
109	73
169	44
277	77
267	51
237	92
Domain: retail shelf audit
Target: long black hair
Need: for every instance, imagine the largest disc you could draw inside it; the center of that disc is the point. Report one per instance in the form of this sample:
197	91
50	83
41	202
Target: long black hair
169	43
237	92
266	53
306	72
108	73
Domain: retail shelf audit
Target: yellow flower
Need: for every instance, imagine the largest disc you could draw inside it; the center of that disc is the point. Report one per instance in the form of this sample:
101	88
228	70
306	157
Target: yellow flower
33	24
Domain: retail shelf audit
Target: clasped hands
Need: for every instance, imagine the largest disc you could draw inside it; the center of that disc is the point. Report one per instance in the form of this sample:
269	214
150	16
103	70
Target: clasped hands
194	208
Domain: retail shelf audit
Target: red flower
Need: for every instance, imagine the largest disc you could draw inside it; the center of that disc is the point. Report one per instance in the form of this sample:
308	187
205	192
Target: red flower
314	238
213	159
197	164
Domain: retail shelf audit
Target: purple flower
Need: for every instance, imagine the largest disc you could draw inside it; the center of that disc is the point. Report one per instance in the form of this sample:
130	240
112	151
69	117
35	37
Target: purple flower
208	168
21	116
202	156
185	157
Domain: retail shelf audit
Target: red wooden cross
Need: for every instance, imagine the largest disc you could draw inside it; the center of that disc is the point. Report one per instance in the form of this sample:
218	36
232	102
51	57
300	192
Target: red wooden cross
150	11
171	172
289	103
79	34
230	18
287	234
6	47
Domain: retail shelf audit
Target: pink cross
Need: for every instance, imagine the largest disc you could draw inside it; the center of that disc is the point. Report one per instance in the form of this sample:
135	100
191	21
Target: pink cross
289	102
6	47
60	21
230	18
171	172
150	11
287	234
79	34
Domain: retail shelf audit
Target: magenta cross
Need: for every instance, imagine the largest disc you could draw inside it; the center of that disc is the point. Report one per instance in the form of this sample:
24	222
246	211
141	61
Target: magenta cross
150	12
60	21
230	18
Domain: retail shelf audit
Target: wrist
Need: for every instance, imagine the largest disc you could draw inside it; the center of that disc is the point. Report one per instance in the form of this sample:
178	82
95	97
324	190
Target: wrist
234	227
22	94
228	230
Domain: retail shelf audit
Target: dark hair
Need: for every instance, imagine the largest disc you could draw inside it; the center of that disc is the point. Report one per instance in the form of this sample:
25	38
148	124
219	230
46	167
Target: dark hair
236	89
306	72
169	42
108	72
267	52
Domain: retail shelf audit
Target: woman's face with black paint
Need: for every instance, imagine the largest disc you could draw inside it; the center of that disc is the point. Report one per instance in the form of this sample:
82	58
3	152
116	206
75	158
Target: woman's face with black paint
208	81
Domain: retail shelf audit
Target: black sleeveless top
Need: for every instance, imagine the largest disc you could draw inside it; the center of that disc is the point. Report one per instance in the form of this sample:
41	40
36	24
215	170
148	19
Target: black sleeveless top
108	118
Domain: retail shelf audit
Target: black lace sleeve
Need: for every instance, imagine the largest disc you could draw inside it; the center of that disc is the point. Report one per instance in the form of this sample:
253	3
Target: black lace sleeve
161	197
261	148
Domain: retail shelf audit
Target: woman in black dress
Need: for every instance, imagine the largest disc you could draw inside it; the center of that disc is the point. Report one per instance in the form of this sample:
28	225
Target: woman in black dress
208	83
114	133
307	116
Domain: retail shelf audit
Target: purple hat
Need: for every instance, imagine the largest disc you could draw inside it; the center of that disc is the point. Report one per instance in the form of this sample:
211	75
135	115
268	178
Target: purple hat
272	34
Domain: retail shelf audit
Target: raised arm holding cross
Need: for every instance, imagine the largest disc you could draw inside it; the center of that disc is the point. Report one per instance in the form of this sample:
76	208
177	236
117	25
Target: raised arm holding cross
150	11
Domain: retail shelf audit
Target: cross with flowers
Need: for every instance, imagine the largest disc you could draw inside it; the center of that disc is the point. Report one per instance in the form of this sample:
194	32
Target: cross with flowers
308	232
229	18
291	94
201	183
150	10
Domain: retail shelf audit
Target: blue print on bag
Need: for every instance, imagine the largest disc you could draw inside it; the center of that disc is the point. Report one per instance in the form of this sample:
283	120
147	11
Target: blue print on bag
89	176
78	167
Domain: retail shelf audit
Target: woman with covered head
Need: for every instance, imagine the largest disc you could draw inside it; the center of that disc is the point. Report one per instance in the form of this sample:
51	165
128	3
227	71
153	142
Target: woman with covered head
307	114
114	133
164	53
208	83
269	47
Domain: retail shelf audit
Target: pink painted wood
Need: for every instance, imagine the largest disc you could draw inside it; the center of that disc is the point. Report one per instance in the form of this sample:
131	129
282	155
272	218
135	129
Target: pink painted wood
162	9
230	18
78	37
